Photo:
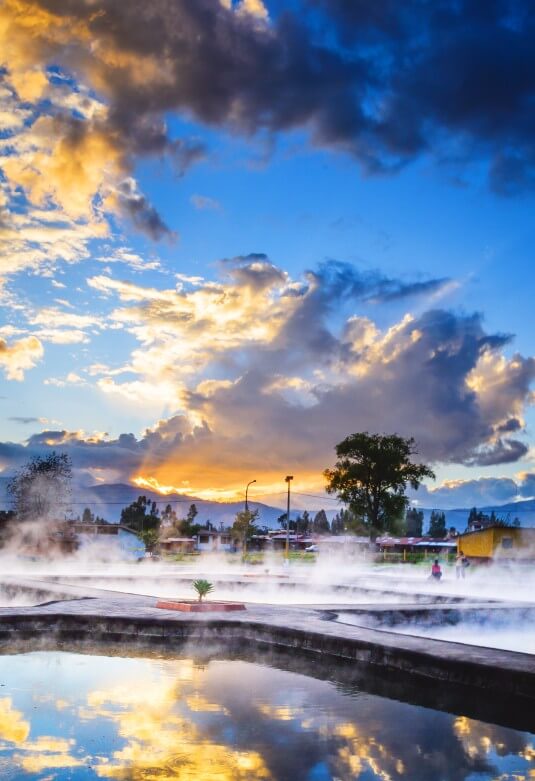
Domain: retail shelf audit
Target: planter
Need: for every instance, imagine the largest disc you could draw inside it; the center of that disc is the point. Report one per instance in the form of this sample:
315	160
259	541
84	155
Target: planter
194	606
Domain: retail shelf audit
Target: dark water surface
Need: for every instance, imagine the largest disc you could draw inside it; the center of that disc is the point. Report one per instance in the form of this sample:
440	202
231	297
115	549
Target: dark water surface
75	716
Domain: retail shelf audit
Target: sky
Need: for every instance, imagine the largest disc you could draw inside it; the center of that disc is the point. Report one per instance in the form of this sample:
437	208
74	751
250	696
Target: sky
233	233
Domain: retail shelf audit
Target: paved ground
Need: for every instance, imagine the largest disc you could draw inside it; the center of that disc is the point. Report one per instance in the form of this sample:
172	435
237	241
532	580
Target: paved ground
95	604
483	683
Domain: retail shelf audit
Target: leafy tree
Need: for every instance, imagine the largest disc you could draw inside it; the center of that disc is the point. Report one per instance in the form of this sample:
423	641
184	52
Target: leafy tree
437	525
41	489
141	516
477	519
281	520
150	538
371	475
321	523
244	526
414	522
346	522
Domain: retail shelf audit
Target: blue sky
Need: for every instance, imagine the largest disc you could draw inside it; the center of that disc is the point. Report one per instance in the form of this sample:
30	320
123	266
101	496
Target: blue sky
222	270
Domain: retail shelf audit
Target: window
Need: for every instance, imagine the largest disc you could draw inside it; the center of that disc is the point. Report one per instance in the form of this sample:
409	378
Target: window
204	539
507	542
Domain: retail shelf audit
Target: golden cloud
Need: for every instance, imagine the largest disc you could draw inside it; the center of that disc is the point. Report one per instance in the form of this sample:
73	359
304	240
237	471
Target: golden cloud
19	356
13	727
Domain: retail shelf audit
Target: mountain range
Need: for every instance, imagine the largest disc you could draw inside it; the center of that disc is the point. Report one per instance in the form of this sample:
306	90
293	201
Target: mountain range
108	499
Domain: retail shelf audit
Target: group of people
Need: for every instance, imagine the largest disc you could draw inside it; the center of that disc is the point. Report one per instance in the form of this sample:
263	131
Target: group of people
461	564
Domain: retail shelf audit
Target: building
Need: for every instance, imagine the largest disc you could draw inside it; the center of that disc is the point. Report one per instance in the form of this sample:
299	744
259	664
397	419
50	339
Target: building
211	541
498	543
100	540
406	547
177	545
347	544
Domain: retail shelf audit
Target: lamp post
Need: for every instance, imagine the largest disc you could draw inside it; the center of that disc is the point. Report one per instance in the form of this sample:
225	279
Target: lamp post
247	517
288	480
246	490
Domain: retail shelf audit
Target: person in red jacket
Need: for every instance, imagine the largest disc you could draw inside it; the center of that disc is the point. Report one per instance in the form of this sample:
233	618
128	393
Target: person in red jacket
436	572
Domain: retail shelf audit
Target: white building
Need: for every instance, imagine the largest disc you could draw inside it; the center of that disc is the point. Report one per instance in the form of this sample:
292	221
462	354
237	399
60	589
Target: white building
213	541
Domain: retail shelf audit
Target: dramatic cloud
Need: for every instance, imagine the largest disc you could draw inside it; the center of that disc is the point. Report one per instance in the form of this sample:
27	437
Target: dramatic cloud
259	371
456	78
452	78
88	88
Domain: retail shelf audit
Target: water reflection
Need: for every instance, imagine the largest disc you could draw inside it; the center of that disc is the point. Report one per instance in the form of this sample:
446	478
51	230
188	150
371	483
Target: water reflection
70	716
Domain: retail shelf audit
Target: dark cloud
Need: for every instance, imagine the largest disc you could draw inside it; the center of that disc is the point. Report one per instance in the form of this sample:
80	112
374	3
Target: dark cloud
464	68
504	451
513	424
477	493
527	484
141	212
24	420
120	457
469	493
452	77
333	285
254	270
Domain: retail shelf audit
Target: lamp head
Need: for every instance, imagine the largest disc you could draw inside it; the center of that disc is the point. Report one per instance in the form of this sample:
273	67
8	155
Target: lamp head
288	478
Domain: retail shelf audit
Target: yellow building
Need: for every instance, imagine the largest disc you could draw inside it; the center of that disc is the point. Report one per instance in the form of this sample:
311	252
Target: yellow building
496	543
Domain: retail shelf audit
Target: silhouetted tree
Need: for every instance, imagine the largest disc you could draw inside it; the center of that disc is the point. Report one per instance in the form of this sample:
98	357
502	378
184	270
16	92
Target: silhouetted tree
437	525
87	516
414	522
477	519
303	523
141	516
321	523
337	524
41	489
281	520
187	526
371	475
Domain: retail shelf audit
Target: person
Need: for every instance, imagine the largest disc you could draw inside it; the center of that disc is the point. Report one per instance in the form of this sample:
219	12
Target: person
436	572
460	565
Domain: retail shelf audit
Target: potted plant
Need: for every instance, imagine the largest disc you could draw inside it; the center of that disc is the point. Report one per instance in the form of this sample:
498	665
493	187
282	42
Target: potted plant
202	587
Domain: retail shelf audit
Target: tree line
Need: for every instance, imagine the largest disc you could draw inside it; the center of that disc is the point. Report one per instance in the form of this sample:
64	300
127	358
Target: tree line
370	478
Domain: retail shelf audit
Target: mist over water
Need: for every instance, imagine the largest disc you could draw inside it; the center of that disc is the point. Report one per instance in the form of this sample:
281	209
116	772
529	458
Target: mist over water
333	580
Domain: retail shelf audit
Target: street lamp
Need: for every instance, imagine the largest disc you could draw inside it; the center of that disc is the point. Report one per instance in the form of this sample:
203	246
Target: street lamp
288	479
247	518
246	490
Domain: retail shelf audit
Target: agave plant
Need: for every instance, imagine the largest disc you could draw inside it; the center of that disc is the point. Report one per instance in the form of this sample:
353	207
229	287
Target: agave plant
202	587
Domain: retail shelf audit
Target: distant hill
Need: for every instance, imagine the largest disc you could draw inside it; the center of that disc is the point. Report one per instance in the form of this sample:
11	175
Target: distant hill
108	499
458	518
